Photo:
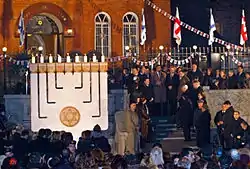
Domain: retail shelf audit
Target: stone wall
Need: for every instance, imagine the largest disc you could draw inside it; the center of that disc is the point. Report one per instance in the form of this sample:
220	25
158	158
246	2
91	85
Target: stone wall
239	98
18	108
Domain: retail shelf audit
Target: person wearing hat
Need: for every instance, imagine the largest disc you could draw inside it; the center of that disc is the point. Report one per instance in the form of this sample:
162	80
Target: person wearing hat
202	125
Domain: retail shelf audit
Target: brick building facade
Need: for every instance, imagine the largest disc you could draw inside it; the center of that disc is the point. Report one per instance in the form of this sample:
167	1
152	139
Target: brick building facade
82	25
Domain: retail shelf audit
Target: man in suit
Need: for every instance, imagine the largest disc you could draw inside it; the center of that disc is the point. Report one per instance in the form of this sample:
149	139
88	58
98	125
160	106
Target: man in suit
172	83
147	91
185	111
158	79
183	80
127	127
143	74
237	131
231	80
219	122
228	124
241	77
195	90
131	80
195	73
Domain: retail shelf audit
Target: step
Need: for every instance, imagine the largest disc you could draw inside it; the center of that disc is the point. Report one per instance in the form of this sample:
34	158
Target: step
158	139
163	119
165	125
162	130
162	134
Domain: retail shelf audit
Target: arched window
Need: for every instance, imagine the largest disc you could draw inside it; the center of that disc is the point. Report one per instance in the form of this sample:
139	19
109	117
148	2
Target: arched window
103	33
131	32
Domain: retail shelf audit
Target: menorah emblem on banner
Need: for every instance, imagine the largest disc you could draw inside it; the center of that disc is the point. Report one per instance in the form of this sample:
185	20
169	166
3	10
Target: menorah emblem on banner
69	96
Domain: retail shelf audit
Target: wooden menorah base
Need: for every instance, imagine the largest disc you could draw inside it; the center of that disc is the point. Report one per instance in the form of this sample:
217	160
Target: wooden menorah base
69	67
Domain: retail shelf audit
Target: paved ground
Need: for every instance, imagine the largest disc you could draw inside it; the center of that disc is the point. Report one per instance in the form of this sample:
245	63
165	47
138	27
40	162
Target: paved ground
175	145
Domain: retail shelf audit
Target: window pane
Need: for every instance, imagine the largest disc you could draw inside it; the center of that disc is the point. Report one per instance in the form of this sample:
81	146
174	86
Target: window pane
130	35
98	36
102	35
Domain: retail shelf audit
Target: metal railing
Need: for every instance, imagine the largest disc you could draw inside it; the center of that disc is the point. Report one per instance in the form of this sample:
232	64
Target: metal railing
222	58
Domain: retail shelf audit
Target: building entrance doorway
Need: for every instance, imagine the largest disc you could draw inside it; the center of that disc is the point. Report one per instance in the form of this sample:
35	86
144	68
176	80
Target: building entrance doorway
44	31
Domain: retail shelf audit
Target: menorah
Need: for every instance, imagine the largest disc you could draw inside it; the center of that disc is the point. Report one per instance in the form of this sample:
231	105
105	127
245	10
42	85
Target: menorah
70	96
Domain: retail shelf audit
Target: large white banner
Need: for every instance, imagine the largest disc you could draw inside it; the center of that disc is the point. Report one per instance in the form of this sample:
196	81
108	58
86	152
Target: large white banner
69	101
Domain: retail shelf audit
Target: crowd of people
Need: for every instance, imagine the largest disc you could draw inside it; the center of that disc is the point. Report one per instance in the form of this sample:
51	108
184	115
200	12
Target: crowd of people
160	92
23	149
174	92
162	86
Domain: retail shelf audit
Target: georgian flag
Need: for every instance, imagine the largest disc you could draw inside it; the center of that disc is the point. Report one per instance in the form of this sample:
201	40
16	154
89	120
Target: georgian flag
143	29
212	28
243	31
177	28
21	29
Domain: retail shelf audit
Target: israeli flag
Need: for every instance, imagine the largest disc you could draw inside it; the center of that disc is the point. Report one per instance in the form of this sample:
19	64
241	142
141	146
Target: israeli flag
143	29
21	29
212	28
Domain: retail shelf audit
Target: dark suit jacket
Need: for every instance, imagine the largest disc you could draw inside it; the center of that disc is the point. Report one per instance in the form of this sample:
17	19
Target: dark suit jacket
195	75
186	110
147	91
237	129
241	80
232	82
174	82
228	120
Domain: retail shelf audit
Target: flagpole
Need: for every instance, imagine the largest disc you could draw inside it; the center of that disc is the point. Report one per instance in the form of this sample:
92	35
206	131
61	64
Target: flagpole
26	82
177	31
178	51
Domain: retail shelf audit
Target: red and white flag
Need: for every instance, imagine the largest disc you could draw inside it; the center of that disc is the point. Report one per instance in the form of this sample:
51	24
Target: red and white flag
243	31
177	28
